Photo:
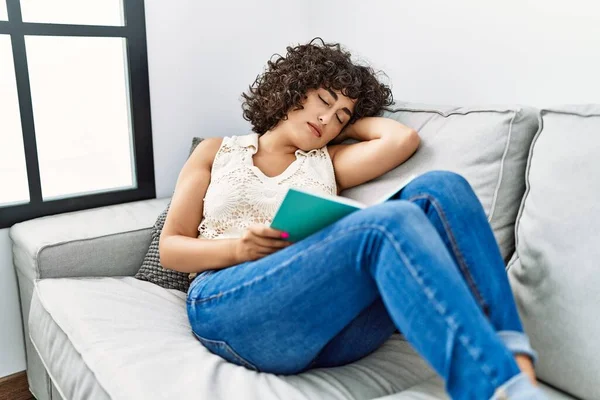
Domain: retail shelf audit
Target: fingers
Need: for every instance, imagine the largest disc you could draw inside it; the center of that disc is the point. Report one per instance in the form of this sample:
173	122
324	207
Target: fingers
265	240
260	252
271	243
265	231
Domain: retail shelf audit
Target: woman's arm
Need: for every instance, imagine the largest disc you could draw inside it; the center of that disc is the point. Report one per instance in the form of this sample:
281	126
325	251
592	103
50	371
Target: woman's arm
385	144
180	249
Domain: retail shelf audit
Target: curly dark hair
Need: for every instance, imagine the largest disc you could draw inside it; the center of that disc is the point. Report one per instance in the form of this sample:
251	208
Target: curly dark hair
286	81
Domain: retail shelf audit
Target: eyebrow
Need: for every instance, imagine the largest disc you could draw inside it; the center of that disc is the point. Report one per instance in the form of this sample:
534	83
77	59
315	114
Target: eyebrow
335	96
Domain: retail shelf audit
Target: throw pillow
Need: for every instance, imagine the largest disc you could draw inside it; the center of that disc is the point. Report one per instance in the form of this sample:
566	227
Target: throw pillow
151	269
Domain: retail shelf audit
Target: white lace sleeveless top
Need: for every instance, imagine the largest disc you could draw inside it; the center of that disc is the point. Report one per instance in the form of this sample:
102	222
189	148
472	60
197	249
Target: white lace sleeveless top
240	194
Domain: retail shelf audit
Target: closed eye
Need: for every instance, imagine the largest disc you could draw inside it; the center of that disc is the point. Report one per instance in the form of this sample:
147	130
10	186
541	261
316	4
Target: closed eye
338	118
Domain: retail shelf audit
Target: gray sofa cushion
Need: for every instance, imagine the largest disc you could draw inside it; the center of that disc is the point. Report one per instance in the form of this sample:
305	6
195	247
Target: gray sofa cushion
554	272
104	241
75	323
487	145
151	269
122	338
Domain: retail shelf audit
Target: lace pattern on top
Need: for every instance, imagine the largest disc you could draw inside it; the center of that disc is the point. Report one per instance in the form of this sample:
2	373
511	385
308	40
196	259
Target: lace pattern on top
240	194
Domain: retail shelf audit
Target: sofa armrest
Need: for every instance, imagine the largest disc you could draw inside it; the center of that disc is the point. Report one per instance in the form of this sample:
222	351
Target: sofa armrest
105	241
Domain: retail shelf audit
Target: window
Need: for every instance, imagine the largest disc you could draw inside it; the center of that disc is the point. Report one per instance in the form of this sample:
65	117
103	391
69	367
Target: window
74	107
13	175
86	12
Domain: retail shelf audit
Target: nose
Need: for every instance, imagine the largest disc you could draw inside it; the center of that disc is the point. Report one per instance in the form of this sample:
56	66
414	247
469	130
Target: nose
325	118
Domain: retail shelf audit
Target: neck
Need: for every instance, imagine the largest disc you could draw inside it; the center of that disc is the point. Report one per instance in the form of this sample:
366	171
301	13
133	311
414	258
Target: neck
276	141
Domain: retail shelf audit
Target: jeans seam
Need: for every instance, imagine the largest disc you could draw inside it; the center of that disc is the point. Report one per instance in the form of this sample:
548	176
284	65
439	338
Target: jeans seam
283	265
430	295
196	281
425	290
229	349
462	264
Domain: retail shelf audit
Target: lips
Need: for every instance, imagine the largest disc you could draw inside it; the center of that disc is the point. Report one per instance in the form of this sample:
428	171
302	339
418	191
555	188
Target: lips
314	129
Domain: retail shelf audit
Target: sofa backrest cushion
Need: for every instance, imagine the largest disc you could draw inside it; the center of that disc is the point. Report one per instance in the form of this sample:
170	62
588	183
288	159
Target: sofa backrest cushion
555	271
486	145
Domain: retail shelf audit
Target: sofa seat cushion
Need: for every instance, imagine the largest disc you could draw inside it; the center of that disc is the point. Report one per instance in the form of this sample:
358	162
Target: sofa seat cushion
122	338
433	389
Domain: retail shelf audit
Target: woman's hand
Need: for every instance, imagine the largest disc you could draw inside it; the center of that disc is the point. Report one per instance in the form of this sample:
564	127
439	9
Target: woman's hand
259	240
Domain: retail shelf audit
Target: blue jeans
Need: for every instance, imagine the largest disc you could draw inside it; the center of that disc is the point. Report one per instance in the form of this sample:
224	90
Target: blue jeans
425	262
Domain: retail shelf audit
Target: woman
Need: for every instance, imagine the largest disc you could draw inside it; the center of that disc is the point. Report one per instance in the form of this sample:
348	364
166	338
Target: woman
425	263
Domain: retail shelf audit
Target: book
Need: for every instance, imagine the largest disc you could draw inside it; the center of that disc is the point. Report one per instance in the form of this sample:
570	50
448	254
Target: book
302	213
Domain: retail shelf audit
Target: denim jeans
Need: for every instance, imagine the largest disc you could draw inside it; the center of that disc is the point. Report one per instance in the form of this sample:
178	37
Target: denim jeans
425	263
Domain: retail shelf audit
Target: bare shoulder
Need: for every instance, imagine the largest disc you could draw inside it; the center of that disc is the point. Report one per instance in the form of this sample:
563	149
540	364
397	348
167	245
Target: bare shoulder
205	152
187	204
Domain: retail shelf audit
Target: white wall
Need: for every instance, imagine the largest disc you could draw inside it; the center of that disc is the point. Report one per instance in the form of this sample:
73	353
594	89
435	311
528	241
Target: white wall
201	58
536	52
203	55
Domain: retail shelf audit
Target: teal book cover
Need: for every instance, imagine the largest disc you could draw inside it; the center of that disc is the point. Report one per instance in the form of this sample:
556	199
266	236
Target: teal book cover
302	213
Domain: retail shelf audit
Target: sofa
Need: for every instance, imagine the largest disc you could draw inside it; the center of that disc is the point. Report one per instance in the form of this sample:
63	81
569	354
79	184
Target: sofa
93	331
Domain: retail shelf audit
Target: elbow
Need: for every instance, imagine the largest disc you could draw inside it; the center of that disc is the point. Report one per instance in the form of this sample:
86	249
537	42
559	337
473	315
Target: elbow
163	253
414	138
410	140
417	140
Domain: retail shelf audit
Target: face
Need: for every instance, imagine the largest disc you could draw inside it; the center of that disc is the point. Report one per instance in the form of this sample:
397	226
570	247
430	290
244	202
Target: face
328	111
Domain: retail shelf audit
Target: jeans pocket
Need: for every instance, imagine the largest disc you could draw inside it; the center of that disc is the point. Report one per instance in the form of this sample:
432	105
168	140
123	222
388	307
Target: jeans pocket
223	350
196	282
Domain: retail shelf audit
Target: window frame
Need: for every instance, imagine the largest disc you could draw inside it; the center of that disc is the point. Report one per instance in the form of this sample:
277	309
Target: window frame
134	31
